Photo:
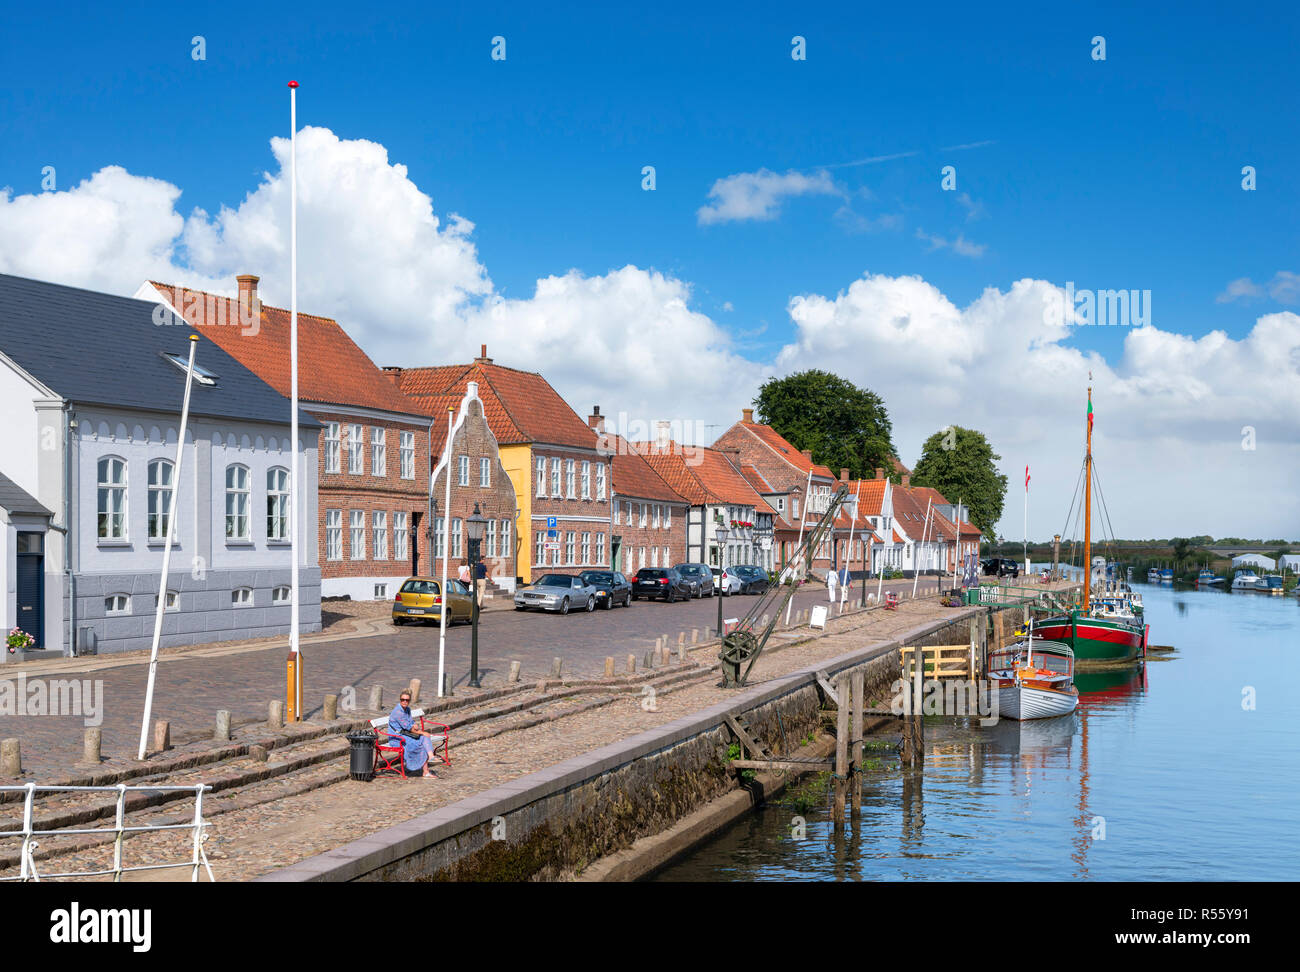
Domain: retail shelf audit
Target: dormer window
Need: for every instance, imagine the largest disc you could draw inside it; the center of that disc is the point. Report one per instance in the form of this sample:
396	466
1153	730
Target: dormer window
201	374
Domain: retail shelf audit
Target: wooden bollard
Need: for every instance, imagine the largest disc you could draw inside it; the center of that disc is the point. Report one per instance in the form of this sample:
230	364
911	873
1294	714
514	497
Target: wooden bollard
330	710
841	749
162	736
857	681
275	714
631	664
681	638
681	654
918	718
609	666
447	686
648	661
11	758
556	665
695	636
376	698
221	733
514	672
91	747
415	691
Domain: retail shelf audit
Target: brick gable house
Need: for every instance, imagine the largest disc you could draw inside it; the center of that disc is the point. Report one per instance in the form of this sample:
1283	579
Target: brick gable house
548	452
373	458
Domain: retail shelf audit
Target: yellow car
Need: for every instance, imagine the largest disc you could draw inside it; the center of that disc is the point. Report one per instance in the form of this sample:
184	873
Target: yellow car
420	599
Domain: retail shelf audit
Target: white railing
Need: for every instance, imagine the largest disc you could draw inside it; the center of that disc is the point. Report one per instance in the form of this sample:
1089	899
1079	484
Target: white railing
119	830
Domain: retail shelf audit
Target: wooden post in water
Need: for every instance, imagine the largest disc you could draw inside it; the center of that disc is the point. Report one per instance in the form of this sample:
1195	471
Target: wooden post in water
857	683
905	744
918	723
841	749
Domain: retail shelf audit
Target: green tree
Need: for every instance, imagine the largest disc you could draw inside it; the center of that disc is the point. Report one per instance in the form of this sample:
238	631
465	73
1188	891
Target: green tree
961	464
844	426
1181	546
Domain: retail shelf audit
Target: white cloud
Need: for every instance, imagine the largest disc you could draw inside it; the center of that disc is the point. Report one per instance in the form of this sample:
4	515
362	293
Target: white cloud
960	245
1283	288
758	195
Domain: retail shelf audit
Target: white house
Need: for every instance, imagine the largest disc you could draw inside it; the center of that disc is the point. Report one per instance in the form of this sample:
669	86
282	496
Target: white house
89	417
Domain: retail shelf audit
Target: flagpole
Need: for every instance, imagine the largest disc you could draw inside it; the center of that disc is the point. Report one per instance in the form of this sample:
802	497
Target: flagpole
802	520
446	555
295	658
1026	520
167	550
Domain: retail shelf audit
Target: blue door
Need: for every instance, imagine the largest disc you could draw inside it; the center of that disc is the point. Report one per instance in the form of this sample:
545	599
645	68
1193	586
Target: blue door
31	586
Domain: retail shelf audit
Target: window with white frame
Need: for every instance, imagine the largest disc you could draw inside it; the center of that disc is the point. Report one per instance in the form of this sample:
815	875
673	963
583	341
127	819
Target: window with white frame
237	503
400	536
379	527
656	516
356	447
541	475
117	604
644	516
586	479
485	471
618	513
378	452
333	534
556	466
357	527
586	548
277	503
667	559
463	469
641	558
455	538
440	537
780	504
173	601
600	548
112	498
506	549
280	595
668	517
568	546
160	497
570	480
381	592
332	447
794	507
491	534
654	556
600	481
241	597
541	548
406	454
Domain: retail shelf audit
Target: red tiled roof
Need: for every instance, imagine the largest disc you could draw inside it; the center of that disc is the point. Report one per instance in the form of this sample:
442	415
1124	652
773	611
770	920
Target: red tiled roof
521	406
872	496
756	479
331	367
635	477
779	445
704	476
923	493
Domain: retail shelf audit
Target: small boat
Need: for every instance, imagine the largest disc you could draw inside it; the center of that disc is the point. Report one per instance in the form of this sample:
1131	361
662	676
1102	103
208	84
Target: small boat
1207	578
1166	575
1269	584
1034	679
1153	575
1245	580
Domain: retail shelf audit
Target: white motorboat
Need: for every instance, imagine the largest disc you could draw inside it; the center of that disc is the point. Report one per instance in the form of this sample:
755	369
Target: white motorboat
1034	679
1245	580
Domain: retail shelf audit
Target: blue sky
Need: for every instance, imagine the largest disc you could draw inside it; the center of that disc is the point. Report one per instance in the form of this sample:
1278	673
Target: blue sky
1123	173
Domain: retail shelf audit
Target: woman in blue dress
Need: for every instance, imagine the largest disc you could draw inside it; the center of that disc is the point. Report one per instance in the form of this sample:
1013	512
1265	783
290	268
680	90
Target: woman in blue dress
415	752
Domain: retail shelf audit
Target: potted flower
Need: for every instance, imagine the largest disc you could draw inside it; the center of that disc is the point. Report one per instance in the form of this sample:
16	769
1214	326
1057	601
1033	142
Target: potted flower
19	640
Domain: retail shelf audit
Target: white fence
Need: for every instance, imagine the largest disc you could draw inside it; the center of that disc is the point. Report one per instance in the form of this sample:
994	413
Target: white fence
118	831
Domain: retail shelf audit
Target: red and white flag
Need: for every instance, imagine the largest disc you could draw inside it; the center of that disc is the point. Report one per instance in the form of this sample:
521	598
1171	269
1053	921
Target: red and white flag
1026	479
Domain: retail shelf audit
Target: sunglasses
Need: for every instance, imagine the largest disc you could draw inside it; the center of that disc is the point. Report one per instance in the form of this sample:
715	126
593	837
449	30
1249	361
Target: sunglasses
407	699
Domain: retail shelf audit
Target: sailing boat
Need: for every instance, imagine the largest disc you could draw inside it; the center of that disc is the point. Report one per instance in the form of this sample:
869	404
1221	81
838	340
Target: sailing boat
1096	634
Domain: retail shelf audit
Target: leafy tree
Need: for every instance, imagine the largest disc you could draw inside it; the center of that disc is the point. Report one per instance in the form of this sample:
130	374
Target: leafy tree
844	426
961	464
1181	546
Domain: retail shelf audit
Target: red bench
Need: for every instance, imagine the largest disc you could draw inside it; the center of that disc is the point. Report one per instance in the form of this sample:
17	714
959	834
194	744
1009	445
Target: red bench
388	752
891	601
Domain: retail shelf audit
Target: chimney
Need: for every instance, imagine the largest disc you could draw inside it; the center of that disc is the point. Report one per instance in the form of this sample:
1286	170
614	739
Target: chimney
844	475
807	454
248	296
747	415
595	419
482	357
906	478
394	374
880	473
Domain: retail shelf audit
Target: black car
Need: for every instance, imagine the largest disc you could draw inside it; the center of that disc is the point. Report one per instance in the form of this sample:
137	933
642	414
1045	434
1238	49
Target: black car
660	582
1001	567
611	587
753	580
698	576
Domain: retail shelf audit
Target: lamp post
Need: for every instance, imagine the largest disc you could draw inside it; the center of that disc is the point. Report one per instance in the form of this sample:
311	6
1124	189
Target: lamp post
722	534
474	529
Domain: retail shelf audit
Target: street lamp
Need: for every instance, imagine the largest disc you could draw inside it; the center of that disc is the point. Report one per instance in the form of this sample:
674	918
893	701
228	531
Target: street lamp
722	534
474	526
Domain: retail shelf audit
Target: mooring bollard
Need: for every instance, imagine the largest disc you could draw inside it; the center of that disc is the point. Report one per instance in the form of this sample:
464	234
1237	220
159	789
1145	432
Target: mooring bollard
446	686
275	714
376	698
222	731
91	751
415	691
11	758
681	654
556	665
681	638
609	666
162	736
695	636
631	664
514	672
331	708
648	661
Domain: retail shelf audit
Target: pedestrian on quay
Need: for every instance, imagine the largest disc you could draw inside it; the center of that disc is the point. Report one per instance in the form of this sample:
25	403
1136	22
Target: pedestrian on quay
830	585
417	745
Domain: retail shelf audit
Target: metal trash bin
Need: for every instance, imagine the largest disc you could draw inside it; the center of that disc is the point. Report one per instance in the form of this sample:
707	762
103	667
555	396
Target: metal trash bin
361	755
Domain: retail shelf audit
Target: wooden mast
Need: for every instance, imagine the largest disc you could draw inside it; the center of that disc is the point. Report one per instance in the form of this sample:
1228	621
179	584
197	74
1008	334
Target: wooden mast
1087	511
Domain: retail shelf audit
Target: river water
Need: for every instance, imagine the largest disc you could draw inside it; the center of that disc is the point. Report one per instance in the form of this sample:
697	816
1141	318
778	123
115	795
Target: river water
1187	768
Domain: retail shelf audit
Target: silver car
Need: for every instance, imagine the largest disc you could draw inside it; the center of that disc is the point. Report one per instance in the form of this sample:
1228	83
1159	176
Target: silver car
556	592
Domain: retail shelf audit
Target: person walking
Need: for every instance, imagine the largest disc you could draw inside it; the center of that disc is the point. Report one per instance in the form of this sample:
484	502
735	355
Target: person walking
830	585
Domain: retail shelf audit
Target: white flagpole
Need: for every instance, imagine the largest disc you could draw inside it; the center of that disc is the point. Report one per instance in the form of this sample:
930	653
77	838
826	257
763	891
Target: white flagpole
799	556
446	555
294	505
916	563
848	556
167	550
1026	520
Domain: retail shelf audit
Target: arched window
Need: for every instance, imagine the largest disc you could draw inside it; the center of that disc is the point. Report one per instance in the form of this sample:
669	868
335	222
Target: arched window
237	500
112	498
161	491
277	503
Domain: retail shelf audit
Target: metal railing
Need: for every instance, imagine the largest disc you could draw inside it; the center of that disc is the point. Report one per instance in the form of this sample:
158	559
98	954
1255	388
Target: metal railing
119	830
